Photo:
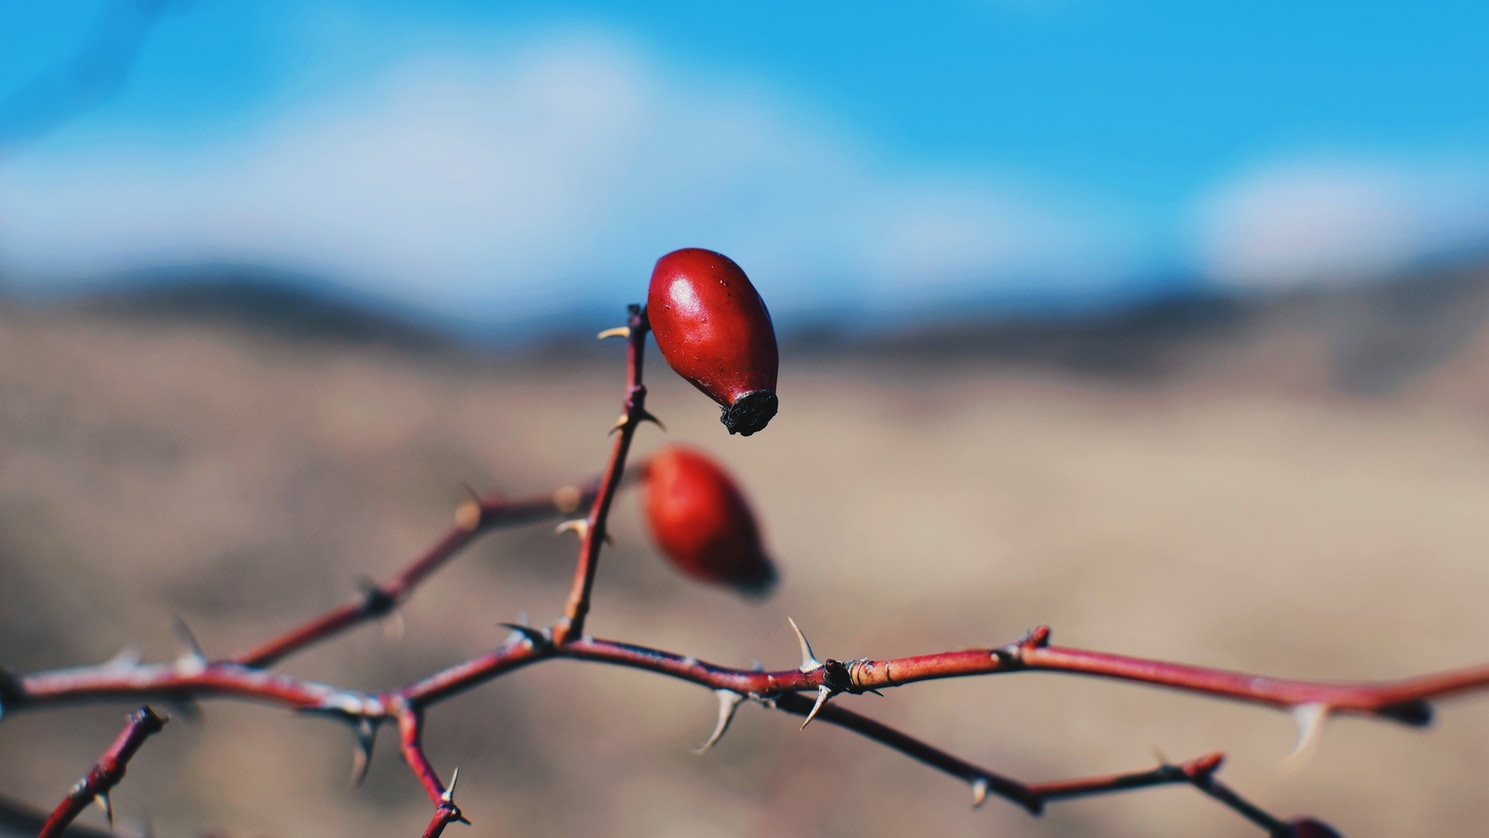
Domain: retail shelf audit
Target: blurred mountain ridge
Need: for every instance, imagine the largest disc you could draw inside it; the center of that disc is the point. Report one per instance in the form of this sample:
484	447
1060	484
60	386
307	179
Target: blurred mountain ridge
1361	338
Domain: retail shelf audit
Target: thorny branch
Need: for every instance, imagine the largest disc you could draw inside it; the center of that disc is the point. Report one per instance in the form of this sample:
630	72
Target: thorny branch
806	690
592	529
143	723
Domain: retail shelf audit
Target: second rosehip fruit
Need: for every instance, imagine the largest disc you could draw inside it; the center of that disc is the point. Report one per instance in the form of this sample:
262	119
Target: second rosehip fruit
713	329
702	523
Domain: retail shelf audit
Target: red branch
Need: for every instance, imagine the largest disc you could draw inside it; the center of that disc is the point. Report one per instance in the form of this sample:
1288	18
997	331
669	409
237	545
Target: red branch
471	520
592	533
143	723
805	691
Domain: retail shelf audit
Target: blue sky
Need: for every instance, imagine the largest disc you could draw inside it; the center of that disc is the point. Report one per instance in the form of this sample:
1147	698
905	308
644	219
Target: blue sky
493	161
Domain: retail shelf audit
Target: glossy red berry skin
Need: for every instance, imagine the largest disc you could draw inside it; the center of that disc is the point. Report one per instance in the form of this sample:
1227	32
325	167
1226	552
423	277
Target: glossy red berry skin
702	524
713	329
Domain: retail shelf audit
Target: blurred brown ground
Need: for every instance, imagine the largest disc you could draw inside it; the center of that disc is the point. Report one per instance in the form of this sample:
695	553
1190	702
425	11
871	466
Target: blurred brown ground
1238	511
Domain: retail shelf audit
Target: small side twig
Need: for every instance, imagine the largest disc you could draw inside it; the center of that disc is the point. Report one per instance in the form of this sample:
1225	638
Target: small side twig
410	740
143	723
472	518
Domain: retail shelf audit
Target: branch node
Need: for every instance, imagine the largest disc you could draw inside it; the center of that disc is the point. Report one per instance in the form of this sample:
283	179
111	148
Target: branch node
1415	713
1035	638
729	702
809	661
376	602
523	633
11	690
447	801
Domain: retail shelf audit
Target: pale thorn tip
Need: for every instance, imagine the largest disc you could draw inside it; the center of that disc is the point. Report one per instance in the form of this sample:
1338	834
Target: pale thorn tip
103	802
617	332
979	792
468	515
362	752
1310	719
824	692
619	423
809	661
729	702
449	794
191	656
578	526
524	633
127	658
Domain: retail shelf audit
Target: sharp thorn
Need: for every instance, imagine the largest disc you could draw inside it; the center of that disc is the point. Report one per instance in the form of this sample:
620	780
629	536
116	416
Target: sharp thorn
979	792
191	655
729	702
127	658
107	805
824	692
619	423
454	780
617	332
362	752
1310	719
646	416
809	661
578	526
526	633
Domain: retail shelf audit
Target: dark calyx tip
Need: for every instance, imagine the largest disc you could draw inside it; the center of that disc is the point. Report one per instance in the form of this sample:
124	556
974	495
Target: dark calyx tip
1415	713
750	412
760	584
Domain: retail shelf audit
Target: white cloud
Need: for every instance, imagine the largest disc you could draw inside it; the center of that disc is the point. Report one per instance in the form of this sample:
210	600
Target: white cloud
470	184
1337	219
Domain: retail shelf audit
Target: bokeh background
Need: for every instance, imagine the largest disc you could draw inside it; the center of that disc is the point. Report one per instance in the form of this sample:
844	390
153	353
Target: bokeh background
1163	325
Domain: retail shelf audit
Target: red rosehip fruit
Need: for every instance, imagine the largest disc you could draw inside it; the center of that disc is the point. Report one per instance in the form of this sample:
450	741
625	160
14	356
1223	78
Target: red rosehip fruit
702	523
713	329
